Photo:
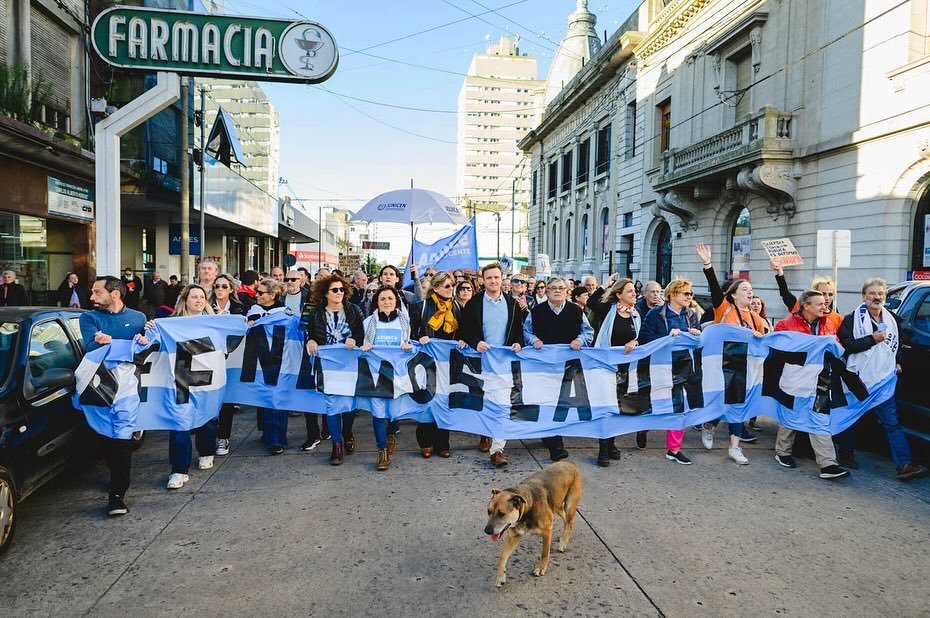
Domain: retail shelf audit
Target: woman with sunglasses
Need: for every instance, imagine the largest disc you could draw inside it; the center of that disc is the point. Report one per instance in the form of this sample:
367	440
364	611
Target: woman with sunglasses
620	326
225	302
335	321
192	301
539	294
435	317
386	326
464	291
672	318
273	423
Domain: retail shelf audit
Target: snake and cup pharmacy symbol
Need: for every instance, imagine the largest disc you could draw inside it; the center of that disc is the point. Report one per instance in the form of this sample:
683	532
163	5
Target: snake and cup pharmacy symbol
307	49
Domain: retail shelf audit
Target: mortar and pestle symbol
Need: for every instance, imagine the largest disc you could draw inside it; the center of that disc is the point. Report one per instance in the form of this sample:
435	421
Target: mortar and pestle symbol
308	43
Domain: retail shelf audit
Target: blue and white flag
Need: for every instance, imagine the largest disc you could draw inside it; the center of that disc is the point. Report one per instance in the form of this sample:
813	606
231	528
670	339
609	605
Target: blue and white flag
458	251
181	380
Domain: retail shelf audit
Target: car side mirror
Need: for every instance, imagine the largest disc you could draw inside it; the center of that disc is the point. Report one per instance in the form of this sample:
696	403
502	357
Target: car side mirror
54	379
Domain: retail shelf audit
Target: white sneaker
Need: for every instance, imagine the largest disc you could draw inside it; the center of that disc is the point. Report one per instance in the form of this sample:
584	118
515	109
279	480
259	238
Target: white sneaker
707	437
205	463
222	447
177	480
736	454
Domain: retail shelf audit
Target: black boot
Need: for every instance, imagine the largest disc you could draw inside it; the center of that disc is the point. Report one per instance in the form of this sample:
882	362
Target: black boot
603	458
612	451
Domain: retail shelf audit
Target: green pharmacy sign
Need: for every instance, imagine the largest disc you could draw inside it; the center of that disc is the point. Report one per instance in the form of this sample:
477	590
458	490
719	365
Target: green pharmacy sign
215	45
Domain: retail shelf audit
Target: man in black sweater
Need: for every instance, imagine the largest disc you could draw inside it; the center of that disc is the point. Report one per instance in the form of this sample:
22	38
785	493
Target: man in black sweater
552	322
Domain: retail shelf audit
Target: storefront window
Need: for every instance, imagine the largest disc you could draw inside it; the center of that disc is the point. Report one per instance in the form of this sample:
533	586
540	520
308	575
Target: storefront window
741	244
23	243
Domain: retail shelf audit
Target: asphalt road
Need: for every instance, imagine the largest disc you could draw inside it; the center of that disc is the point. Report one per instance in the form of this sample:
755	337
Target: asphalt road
289	535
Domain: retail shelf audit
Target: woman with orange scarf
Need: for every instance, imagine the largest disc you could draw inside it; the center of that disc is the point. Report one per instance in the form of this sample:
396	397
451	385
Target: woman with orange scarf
436	316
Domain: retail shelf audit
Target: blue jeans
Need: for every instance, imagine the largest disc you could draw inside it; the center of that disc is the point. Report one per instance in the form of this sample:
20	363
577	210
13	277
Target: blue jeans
180	450
340	424
380	426
274	427
735	429
887	412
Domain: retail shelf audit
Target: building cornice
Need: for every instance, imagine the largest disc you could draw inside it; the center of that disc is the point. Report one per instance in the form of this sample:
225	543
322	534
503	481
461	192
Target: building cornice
584	85
667	25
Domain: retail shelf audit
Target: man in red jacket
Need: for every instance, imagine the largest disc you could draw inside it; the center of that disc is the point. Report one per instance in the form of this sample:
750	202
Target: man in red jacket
810	320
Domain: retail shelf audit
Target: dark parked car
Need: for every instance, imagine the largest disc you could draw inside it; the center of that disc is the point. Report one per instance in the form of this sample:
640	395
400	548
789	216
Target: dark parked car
39	427
911	301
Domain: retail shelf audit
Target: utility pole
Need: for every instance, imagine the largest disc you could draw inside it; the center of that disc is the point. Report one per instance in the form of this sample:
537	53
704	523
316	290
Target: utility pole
185	187
513	217
203	167
497	216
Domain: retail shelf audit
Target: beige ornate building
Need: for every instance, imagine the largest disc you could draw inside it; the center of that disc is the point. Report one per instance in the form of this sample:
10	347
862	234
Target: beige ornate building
733	121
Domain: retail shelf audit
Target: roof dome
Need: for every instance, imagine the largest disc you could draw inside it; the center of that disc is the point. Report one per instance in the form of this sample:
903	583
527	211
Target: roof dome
576	49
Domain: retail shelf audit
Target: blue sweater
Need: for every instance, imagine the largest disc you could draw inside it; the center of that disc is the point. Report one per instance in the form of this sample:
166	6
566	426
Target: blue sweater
660	321
123	325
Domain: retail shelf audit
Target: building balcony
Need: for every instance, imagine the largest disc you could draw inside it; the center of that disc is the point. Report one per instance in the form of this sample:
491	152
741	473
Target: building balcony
754	156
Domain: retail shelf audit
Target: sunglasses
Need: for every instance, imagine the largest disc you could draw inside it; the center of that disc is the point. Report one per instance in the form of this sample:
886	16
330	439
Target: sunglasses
337	290
292	279
447	286
260	292
221	286
464	289
687	293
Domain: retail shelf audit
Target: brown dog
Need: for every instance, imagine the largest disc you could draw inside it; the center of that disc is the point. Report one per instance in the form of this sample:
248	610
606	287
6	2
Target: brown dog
530	507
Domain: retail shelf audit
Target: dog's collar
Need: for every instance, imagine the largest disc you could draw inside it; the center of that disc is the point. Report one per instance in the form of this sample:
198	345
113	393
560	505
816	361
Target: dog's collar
521	509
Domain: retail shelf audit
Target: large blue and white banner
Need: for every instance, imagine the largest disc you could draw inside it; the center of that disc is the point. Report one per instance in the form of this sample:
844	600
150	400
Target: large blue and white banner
195	364
456	252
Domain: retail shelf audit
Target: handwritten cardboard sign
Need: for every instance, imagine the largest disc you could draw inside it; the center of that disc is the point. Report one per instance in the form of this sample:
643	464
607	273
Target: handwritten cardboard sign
782	251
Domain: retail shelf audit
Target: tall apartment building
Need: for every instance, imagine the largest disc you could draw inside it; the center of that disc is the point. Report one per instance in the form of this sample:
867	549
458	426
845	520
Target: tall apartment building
257	124
497	106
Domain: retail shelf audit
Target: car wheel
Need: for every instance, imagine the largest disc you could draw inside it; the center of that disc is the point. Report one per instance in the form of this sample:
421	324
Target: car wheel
138	437
7	509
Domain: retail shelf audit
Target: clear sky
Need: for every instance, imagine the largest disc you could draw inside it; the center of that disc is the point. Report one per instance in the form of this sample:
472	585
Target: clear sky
343	151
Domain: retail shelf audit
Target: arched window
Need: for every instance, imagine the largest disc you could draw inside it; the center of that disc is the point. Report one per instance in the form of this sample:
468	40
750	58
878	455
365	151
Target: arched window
568	239
921	258
663	254
585	237
554	245
740	244
605	232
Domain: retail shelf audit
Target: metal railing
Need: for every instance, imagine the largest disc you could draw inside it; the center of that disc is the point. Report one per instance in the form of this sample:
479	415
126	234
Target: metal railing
746	136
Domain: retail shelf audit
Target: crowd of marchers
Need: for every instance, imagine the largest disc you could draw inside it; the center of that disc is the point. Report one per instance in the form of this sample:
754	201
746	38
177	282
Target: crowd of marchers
486	309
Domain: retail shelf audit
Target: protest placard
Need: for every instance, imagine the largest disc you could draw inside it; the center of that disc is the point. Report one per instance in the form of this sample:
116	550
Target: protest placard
783	252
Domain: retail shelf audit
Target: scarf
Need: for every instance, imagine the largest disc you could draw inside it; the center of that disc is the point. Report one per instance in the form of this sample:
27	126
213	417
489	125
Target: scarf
603	335
444	318
400	321
877	362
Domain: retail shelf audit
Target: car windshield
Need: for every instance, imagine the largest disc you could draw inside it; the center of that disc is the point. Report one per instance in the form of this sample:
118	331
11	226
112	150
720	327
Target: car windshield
893	299
9	331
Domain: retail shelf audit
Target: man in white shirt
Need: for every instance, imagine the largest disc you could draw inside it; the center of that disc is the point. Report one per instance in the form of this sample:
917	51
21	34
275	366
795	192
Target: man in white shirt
295	295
